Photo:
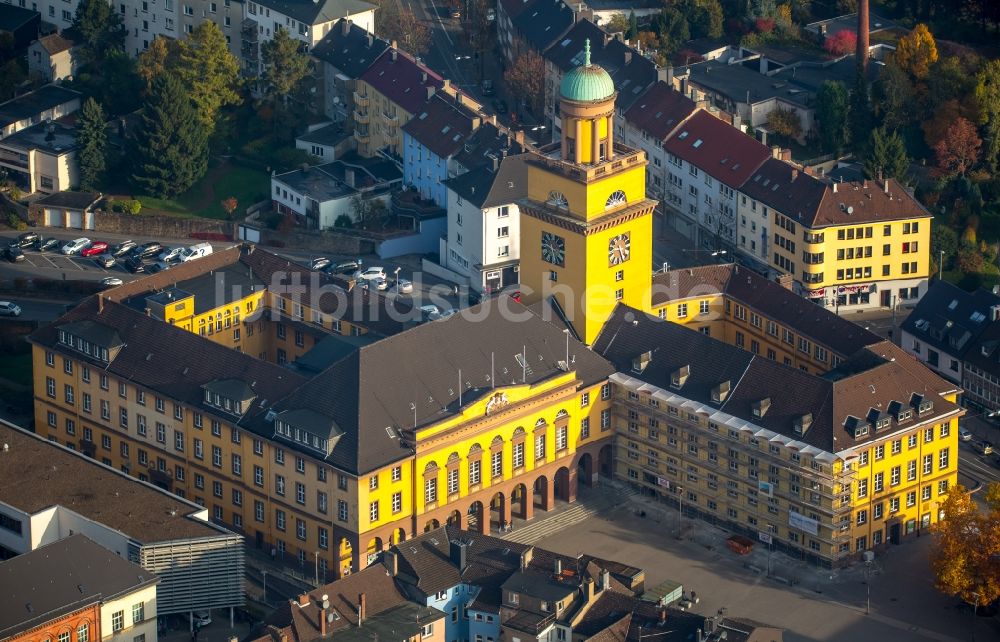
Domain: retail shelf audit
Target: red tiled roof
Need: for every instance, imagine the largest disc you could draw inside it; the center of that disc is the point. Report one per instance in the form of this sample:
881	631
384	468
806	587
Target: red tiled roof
403	80
660	111
724	152
865	202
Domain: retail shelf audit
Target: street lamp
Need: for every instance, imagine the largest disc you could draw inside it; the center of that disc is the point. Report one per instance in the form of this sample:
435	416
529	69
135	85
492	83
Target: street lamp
974	609
680	509
265	586
868	586
316	553
941	265
463	57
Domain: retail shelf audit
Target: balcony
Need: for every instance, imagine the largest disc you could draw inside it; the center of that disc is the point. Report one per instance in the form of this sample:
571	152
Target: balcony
359	100
250	31
625	157
362	135
13	159
390	119
361	117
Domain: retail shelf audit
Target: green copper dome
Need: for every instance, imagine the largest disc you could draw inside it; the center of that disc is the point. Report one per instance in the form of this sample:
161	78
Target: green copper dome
587	83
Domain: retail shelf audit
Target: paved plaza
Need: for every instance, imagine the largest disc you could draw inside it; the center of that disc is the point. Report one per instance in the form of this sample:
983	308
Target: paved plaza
810	603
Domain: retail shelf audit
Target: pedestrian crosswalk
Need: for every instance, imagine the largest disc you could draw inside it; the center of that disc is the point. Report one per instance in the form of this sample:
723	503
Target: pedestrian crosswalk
545	525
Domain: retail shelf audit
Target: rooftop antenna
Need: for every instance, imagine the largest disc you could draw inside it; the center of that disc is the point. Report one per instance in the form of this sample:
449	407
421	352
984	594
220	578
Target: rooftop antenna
493	377
566	332
459	387
413	407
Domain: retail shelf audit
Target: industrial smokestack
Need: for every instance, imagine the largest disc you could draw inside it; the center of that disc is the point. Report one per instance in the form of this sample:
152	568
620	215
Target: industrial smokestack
863	20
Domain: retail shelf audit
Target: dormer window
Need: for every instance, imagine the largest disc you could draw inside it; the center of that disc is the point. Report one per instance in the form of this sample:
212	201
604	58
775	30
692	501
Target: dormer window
229	395
856	427
639	363
679	377
720	392
760	407
801	424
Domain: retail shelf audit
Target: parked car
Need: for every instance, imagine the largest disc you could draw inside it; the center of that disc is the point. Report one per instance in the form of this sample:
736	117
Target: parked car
147	250
430	312
964	434
48	244
202	618
344	267
984	447
135	264
14	254
500	106
195	251
95	248
111	282
158	266
319	263
371	274
488	87
123	248
75	246
171	254
27	239
8	309
403	286
105	260
381	284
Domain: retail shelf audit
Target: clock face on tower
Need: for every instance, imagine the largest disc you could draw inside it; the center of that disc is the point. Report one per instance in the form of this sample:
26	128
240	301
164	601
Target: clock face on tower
618	249
553	249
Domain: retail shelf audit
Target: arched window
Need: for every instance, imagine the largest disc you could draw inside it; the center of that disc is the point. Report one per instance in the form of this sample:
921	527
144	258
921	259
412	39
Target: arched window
476	449
430	467
540	422
83	633
561	414
519	432
453	458
617	198
498	440
557	199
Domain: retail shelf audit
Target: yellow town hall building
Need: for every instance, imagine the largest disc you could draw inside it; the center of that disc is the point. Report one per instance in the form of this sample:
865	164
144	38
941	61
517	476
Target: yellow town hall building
324	421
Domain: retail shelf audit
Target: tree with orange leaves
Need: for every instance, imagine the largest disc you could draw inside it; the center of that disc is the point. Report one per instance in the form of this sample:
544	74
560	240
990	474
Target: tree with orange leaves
965	557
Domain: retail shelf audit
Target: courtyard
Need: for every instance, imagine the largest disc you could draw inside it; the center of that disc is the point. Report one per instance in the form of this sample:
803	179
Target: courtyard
808	602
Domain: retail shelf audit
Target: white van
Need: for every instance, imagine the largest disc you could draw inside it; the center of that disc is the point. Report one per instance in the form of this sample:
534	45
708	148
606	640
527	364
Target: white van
195	252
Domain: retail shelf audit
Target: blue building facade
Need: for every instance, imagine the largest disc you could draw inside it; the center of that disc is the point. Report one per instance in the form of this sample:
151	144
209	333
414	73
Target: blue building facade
425	170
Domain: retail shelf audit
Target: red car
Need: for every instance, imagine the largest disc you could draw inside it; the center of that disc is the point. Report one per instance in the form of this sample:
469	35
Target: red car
95	248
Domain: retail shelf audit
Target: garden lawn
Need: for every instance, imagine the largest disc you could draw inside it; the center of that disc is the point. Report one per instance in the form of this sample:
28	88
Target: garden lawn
205	197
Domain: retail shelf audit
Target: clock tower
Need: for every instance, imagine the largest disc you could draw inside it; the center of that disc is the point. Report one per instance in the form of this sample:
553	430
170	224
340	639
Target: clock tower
586	225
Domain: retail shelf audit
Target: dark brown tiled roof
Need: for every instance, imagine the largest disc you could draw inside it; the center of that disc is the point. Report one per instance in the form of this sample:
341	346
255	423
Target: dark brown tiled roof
176	363
36	474
873	377
352	52
660	111
869	202
768	298
398	77
443	125
381	594
513	8
55	43
725	153
44	584
784	188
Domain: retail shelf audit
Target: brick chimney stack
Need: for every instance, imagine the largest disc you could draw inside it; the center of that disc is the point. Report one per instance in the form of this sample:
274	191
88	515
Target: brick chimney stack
862	52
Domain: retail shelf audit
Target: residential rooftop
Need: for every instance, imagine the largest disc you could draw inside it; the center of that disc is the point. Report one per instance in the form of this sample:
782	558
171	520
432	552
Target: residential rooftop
767	297
37	474
331	134
951	320
59	578
660	111
314	12
72	200
349	48
717	148
34	103
52	138
488	186
403	80
443	125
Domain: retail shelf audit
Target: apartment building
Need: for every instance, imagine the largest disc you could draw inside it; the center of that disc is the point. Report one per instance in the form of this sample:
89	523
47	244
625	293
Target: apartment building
50	492
708	162
483	242
41	158
389	93
305	20
144	20
49	102
740	307
345	52
859	457
75	589
864	244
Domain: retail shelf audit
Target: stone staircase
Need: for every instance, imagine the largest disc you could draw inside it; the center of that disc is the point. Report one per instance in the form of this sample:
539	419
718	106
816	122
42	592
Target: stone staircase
598	501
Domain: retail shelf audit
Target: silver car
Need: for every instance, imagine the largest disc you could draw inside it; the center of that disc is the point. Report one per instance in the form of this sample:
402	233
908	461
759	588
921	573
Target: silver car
8	309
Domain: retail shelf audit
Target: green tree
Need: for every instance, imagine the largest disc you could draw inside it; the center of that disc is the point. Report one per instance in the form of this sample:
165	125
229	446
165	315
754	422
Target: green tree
159	58
210	73
12	74
785	123
633	26
706	19
859	115
171	145
287	79
618	23
944	239
987	92
101	29
831	112
92	145
894	97
886	157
